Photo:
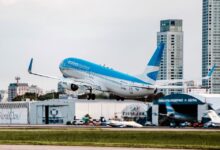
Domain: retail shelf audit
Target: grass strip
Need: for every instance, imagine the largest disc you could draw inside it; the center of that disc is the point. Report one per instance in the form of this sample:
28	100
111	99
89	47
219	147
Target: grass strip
88	137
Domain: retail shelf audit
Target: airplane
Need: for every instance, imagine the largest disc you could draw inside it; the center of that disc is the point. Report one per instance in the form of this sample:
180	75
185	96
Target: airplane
81	74
123	124
172	114
215	119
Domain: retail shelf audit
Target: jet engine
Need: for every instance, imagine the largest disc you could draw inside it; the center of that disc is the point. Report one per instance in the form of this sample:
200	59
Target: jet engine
74	87
70	86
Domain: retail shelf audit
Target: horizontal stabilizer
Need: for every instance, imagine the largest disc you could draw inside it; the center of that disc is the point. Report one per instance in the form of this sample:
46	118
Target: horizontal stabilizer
210	73
167	82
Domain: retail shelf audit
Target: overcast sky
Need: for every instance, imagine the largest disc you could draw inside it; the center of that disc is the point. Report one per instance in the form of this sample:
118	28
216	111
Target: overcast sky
118	33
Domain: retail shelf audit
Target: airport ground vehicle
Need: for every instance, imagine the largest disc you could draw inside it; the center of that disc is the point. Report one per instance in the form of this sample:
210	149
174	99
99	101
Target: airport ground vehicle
78	122
148	123
214	119
174	124
197	125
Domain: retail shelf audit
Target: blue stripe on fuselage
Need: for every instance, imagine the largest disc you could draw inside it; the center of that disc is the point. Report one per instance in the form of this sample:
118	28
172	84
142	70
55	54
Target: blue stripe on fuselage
79	64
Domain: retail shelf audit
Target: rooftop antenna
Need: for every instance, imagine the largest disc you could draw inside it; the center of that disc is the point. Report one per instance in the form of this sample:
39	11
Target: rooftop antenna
17	79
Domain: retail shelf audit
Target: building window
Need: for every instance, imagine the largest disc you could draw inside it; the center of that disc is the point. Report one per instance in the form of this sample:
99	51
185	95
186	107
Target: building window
172	23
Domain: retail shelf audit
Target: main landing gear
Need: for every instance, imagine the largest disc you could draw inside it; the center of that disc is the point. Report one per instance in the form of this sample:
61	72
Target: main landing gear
118	98
91	95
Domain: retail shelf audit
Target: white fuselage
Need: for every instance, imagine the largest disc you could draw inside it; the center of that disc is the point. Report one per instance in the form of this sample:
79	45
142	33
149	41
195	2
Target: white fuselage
115	86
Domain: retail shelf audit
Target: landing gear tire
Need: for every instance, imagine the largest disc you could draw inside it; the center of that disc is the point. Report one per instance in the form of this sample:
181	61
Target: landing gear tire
119	98
91	96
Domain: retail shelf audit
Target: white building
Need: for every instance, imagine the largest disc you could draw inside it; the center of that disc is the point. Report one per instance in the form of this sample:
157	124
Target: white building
35	89
211	43
14	113
60	111
17	89
197	90
3	96
108	109
171	66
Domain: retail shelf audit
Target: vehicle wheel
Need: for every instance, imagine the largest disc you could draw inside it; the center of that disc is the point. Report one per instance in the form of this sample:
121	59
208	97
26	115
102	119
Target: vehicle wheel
122	99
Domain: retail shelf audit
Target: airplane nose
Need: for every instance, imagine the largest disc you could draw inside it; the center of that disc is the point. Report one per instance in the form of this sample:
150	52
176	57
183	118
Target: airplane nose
62	64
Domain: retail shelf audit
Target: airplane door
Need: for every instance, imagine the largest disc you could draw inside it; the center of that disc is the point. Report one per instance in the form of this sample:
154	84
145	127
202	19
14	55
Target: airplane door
91	75
131	90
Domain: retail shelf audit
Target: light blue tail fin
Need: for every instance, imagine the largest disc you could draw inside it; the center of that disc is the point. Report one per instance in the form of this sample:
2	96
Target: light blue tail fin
152	68
170	110
157	56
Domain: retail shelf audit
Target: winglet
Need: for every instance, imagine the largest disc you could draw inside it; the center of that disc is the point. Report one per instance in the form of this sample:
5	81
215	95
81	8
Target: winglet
210	73
30	66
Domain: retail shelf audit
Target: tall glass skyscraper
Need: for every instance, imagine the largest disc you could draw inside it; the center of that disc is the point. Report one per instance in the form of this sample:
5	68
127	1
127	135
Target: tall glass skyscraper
171	66
211	43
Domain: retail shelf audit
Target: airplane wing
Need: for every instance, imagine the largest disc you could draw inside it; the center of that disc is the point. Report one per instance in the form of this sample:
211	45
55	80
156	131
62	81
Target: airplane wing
86	83
37	74
148	87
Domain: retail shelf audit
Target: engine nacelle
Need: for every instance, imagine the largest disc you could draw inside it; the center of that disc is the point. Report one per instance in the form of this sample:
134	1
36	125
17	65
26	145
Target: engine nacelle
74	87
70	86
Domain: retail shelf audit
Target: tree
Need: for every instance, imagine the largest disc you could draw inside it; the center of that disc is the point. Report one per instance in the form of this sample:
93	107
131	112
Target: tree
54	95
31	96
34	96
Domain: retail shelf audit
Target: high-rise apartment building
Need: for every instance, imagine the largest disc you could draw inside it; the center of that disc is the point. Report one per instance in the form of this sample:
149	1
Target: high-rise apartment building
171	66
211	43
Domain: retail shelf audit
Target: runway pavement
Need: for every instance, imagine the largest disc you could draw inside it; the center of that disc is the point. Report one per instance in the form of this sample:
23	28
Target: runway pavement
164	129
106	128
42	147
